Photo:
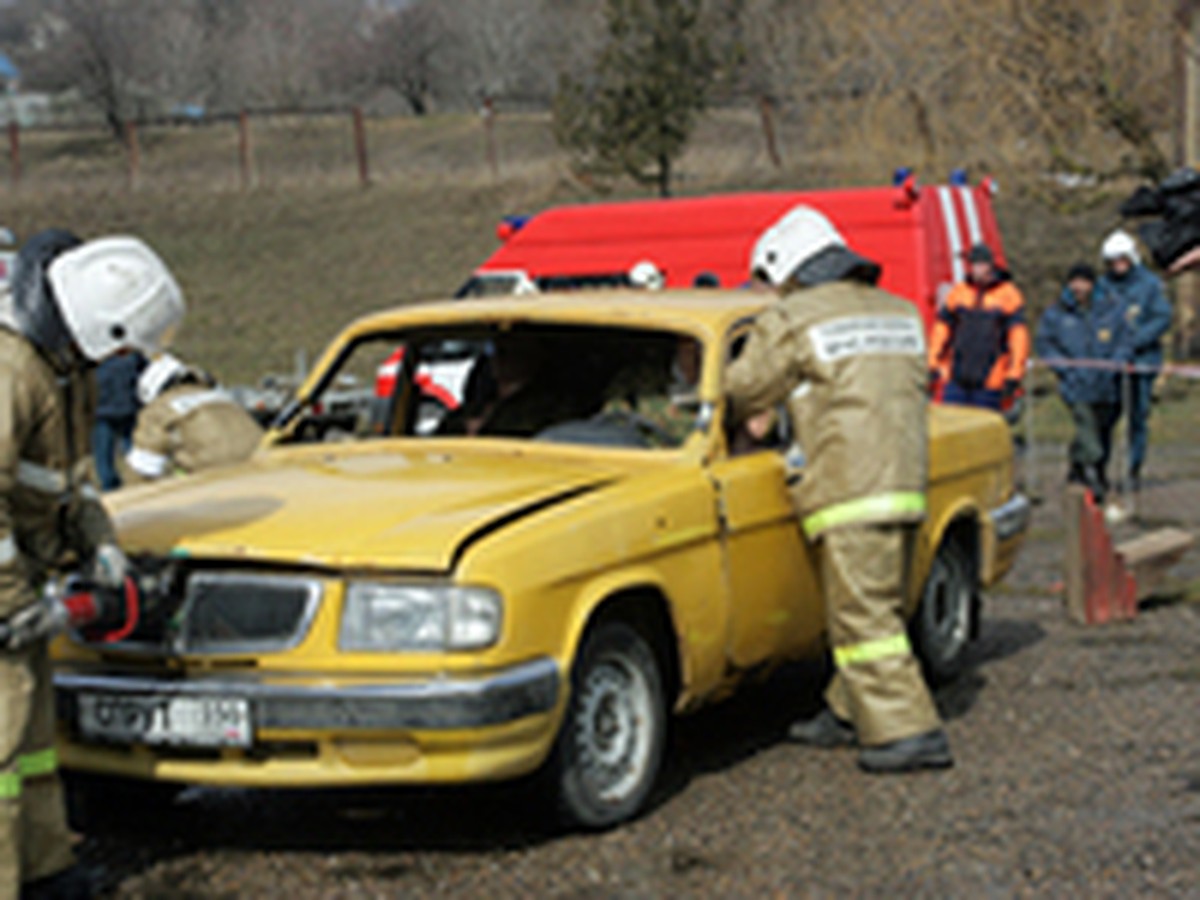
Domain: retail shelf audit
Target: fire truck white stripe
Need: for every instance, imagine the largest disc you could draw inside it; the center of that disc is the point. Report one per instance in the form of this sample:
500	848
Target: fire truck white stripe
953	237
972	211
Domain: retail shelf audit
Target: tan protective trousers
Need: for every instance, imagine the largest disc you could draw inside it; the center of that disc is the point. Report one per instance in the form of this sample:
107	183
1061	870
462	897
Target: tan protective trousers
878	683
35	841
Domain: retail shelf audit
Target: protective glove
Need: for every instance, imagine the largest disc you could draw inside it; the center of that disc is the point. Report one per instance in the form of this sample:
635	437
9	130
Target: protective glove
110	567
1012	387
36	621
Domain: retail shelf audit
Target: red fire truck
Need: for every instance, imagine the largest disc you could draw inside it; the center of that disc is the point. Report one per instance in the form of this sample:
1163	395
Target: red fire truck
918	233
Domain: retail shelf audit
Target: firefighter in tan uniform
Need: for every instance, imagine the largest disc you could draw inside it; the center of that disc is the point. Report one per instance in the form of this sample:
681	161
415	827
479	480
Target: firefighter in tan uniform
186	424
71	305
849	362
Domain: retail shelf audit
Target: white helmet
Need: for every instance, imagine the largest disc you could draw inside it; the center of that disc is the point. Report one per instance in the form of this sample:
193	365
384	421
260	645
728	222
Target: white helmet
116	293
791	242
156	376
1120	244
647	276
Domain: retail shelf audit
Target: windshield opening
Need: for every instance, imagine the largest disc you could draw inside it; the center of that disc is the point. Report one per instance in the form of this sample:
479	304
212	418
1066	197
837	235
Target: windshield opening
620	387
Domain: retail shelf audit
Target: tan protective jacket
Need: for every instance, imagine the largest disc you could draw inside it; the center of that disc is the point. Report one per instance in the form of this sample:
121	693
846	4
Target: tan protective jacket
190	428
849	360
50	509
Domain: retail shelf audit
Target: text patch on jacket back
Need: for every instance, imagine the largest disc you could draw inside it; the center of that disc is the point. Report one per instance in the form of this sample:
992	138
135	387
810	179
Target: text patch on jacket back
867	335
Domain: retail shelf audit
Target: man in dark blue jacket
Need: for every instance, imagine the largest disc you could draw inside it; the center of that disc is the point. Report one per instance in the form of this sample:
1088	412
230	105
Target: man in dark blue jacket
116	413
1088	323
1148	313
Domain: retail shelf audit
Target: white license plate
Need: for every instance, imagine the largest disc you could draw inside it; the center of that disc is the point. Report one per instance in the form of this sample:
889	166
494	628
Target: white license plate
156	719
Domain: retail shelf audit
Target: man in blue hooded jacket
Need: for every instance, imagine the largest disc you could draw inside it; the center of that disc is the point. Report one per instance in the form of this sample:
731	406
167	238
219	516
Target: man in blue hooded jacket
1088	323
1149	315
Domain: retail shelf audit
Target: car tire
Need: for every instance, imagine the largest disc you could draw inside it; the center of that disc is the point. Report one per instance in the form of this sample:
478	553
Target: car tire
943	625
611	743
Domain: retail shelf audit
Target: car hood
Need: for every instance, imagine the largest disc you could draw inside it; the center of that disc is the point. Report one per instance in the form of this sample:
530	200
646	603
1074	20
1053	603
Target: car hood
404	509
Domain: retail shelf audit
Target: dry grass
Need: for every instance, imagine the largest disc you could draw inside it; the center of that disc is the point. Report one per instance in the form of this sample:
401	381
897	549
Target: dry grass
283	266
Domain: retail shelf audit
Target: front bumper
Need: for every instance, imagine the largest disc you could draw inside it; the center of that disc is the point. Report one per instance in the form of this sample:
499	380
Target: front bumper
441	730
438	704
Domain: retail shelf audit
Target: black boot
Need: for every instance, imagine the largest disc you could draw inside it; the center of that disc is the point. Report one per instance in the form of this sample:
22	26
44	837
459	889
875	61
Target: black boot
74	883
822	730
930	750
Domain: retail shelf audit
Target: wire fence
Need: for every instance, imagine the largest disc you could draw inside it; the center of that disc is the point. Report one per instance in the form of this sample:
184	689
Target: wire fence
246	149
1124	500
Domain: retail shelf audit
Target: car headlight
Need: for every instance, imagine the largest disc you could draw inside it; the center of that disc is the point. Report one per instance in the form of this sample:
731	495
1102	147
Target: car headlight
377	616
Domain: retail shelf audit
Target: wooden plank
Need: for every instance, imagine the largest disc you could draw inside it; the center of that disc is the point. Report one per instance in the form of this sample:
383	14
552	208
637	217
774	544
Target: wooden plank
1152	555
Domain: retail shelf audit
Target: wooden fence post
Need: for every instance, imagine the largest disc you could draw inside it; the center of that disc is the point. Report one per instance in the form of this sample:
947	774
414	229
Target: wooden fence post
360	147
245	151
133	152
14	152
766	112
488	114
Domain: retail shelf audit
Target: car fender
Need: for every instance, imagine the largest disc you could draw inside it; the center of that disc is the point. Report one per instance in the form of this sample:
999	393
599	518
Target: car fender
599	591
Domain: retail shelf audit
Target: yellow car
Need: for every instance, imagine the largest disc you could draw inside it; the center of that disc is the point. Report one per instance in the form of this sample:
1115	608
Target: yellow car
534	580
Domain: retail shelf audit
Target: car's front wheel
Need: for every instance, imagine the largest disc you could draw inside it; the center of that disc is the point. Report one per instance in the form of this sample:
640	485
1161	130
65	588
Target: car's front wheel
943	625
610	747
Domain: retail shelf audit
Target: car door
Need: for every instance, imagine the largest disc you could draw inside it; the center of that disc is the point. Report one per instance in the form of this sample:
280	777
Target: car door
770	569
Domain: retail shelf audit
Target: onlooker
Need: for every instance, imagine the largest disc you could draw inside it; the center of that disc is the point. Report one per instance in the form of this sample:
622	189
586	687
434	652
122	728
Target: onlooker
980	343
1087	324
1148	313
116	414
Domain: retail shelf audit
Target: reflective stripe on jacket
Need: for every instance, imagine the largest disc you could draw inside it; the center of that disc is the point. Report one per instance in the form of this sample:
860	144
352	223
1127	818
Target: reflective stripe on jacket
190	428
980	339
849	362
49	506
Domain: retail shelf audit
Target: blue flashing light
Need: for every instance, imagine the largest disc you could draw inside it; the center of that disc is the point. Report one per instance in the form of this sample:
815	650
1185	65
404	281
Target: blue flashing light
901	175
958	178
516	223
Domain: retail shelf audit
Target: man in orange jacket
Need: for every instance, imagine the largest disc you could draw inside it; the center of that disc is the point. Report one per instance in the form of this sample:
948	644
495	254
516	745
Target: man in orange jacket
979	347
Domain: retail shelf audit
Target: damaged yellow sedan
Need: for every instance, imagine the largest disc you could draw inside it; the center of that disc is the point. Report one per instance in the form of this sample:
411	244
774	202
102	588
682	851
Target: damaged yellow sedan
539	541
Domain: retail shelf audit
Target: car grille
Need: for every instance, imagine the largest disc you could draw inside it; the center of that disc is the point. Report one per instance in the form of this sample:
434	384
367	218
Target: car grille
225	612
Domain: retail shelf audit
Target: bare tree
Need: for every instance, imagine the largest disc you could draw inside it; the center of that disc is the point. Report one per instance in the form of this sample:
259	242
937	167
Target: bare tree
405	47
100	48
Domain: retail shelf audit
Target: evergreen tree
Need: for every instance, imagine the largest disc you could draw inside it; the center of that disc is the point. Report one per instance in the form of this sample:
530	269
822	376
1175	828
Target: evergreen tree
634	114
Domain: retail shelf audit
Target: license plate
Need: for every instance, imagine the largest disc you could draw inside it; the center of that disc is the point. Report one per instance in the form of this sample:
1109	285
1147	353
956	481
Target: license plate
154	719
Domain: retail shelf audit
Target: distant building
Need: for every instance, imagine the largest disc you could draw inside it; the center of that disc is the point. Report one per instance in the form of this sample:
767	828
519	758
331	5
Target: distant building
19	106
10	75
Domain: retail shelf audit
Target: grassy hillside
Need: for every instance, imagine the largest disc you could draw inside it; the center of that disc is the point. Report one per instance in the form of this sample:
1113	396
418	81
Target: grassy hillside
283	266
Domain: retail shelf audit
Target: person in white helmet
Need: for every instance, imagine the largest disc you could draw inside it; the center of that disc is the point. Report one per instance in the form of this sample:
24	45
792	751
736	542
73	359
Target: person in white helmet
1149	314
647	276
71	306
848	361
186	423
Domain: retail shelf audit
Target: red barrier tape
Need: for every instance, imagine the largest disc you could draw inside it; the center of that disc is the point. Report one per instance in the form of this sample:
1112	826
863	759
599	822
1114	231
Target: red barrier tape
1106	365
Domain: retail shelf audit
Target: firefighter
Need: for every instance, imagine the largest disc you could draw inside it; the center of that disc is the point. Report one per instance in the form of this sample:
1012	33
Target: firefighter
848	360
979	346
187	424
71	305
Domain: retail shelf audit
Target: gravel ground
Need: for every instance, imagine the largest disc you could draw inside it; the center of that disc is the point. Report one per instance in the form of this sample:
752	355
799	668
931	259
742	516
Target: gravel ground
1078	775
